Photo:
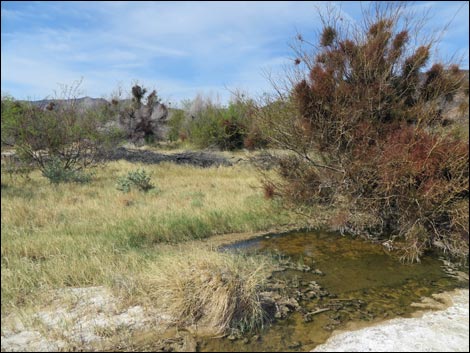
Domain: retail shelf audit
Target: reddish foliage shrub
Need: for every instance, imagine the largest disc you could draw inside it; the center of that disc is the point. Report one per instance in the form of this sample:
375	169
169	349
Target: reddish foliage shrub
269	191
183	136
364	128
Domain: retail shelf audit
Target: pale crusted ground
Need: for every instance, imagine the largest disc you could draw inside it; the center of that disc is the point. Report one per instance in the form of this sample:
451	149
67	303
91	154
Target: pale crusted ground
435	331
76	317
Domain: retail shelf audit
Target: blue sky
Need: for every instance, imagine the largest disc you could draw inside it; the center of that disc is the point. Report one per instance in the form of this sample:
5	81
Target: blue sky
178	48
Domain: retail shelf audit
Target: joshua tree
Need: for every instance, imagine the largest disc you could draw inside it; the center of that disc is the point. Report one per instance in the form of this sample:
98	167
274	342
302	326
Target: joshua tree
144	122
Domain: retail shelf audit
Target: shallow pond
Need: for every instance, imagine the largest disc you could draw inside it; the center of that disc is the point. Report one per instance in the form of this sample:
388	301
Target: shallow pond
361	281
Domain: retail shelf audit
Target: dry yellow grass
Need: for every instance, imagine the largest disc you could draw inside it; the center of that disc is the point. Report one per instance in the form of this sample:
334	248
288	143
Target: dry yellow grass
214	291
74	235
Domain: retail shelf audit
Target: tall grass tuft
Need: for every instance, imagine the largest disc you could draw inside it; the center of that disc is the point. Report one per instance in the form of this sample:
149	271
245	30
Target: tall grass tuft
218	292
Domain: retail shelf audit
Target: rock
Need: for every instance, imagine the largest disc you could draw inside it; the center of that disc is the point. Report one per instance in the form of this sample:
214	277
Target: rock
290	303
303	268
314	285
311	295
294	345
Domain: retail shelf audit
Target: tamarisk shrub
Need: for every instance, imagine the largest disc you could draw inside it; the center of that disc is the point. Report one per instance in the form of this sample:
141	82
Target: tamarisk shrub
362	115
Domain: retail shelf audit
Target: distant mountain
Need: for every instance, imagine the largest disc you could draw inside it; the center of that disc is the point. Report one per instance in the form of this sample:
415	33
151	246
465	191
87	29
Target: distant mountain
84	102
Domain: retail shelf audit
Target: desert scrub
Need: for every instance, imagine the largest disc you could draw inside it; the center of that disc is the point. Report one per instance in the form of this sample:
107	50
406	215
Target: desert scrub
138	179
218	292
364	119
56	173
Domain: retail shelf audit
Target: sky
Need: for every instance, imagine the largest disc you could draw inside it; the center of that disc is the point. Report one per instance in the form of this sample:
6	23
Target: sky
178	48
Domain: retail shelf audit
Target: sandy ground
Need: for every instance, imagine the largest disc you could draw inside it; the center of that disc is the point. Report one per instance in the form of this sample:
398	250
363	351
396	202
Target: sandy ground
434	331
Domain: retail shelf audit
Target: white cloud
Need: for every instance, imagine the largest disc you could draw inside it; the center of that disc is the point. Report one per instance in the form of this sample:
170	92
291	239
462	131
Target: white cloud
178	47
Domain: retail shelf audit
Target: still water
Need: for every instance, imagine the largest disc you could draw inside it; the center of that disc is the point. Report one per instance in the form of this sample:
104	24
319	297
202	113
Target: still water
364	283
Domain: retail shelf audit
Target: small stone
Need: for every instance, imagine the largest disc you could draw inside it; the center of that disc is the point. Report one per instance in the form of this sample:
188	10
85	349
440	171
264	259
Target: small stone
311	295
232	337
295	344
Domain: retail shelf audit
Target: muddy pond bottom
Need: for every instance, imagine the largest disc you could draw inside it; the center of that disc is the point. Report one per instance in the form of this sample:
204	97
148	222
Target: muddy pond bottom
359	282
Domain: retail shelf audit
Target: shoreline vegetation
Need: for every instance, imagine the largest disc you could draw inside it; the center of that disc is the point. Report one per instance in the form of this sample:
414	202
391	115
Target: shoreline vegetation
56	241
113	210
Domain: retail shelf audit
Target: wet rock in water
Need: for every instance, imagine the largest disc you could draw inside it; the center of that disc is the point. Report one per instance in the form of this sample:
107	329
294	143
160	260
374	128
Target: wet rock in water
314	285
335	316
294	345
278	285
282	312
303	268
290	303
311	295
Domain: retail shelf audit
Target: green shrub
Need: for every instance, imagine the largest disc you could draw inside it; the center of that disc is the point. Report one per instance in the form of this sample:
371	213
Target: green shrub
175	124
63	135
14	166
138	178
215	126
56	172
